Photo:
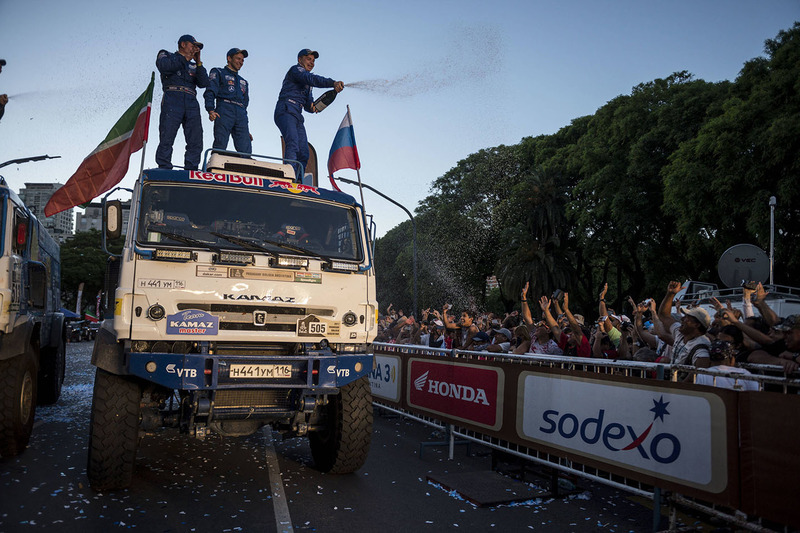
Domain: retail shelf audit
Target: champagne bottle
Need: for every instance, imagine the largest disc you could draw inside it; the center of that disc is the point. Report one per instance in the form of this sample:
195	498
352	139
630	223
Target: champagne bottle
325	100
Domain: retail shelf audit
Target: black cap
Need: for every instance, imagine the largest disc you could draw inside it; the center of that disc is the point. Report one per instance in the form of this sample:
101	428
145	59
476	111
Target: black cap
306	52
189	39
2	62
234	51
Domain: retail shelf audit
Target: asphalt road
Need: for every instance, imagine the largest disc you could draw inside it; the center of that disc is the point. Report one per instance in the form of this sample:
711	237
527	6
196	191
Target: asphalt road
260	483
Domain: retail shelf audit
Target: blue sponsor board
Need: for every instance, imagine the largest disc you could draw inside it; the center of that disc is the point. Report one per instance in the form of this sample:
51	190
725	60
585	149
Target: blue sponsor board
192	322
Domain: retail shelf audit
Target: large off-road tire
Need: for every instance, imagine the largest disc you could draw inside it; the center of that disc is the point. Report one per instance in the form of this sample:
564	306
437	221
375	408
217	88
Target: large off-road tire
52	367
342	447
17	403
113	431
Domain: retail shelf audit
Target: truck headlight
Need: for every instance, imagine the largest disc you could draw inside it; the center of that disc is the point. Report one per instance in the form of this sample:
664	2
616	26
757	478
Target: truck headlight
156	312
349	319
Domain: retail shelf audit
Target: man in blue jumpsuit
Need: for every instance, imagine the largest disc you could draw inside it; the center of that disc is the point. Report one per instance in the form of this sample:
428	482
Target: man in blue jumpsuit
226	99
294	97
180	78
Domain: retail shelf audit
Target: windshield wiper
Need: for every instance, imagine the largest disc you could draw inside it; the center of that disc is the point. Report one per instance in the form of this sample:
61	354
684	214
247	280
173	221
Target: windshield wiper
297	249
255	246
244	243
184	239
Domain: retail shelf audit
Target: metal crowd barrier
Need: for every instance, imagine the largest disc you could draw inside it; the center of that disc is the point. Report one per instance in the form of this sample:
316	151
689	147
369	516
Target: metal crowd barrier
635	426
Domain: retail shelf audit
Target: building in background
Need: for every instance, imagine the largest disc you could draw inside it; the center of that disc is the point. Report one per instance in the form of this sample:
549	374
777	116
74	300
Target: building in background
36	196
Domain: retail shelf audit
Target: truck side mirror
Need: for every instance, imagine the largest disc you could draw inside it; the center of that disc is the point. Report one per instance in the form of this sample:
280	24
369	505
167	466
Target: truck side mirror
112	218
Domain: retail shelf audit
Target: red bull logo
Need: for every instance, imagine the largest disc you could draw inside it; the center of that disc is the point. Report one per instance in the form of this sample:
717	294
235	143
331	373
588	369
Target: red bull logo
233	179
295	188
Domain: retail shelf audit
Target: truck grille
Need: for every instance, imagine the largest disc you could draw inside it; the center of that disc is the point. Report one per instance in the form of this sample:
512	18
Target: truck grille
232	348
253	398
237	317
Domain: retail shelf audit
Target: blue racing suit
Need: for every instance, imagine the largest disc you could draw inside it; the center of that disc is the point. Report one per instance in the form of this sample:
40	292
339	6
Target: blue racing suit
294	97
179	107
228	94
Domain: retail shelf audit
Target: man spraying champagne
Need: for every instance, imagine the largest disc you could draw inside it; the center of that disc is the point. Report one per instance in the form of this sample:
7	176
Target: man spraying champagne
295	96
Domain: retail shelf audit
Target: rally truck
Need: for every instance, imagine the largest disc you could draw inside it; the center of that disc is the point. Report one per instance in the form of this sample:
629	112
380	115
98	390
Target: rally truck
32	329
242	298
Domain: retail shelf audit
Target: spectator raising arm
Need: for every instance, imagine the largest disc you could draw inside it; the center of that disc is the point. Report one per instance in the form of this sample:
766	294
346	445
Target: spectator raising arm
747	302
526	311
574	326
544	303
640	330
602	310
761	338
761	304
665	309
556	305
449	323
660	329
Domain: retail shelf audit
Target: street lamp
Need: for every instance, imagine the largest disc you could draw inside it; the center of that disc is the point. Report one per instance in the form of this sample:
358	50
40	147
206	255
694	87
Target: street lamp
772	202
413	226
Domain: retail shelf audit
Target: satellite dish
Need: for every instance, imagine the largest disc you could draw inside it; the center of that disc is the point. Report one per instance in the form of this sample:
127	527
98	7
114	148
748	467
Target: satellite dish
743	262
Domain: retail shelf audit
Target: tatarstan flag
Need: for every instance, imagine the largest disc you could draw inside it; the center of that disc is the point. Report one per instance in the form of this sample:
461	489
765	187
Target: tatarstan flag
108	163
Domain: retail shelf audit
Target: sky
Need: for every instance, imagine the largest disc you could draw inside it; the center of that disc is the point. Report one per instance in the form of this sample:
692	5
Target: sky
444	79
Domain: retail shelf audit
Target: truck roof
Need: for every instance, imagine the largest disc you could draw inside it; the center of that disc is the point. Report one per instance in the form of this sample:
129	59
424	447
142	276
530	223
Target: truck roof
279	186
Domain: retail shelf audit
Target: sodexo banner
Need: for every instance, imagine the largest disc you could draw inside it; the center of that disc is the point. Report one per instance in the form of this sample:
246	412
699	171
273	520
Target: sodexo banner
668	433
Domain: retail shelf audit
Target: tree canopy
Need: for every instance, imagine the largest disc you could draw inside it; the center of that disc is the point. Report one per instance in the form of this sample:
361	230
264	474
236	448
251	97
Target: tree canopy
654	186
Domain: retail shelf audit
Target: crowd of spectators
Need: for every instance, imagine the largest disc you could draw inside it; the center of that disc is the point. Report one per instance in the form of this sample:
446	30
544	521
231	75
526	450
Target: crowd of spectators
667	332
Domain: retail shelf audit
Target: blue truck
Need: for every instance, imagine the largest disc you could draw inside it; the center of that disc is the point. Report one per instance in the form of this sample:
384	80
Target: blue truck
32	329
242	298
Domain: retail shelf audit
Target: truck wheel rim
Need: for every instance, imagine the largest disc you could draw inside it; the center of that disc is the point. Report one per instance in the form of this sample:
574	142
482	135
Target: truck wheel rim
26	398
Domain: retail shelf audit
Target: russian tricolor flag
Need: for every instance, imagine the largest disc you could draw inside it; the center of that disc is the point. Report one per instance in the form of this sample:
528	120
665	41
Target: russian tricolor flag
344	153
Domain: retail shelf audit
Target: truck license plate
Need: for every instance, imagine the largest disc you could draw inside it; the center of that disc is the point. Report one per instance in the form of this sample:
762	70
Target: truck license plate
261	371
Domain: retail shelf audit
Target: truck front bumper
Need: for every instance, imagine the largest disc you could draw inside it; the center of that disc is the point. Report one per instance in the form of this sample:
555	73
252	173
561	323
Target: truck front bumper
318	372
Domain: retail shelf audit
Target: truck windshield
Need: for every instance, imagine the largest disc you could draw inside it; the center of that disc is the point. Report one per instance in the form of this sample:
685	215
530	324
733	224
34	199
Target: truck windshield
216	217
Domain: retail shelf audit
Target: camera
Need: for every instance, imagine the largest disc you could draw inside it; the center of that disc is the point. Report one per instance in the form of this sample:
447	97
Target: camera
751	285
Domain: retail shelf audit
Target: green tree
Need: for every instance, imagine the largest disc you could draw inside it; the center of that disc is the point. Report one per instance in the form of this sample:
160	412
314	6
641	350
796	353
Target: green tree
719	182
82	261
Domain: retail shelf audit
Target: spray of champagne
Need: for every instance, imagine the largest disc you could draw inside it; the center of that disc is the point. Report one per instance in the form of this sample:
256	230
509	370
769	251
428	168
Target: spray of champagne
474	56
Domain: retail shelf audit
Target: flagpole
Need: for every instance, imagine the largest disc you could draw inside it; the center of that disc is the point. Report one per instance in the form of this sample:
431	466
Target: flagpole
147	130
358	171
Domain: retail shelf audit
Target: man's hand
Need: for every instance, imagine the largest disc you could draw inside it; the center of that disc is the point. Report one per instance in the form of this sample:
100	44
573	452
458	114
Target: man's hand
544	303
761	294
788	365
674	287
727	314
604	291
213	115
525	290
3	99
197	57
566	302
338	86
